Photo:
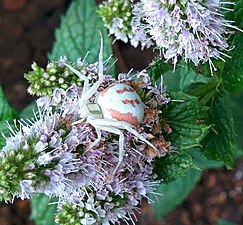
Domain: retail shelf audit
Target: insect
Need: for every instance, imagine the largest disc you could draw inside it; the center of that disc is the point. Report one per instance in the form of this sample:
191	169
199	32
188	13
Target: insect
116	108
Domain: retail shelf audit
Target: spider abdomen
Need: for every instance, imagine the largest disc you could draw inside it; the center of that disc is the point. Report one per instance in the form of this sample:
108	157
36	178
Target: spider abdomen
121	102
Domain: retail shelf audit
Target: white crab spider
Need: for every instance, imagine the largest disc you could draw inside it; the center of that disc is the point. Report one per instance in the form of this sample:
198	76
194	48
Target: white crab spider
117	108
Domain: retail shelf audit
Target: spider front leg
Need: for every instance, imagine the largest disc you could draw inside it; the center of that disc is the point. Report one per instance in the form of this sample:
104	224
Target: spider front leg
81	77
121	144
114	126
129	128
120	125
125	126
89	91
93	89
100	124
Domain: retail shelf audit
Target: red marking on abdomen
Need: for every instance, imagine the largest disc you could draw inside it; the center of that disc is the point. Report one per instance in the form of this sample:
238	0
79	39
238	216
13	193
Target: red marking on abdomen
132	102
126	117
107	89
125	89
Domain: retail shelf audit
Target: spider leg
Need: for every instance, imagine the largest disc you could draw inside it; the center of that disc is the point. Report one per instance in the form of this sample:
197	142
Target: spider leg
78	121
81	76
121	144
128	127
98	132
96	85
123	125
86	87
100	66
103	124
88	91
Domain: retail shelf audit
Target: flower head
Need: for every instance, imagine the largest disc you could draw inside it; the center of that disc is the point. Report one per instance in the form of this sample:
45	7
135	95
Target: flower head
54	150
56	75
194	30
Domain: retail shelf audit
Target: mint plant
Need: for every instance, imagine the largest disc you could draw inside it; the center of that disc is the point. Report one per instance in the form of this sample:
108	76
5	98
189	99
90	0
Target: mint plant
97	160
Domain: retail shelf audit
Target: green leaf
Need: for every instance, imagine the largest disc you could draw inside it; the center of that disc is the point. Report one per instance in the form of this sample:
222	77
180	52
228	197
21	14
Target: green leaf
28	111
159	67
237	109
238	13
177	191
233	70
7	113
224	222
78	33
233	73
220	143
182	78
185	79
42	212
173	166
201	162
174	193
186	117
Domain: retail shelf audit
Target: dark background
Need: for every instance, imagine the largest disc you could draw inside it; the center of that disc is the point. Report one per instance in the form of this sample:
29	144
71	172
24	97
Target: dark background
26	35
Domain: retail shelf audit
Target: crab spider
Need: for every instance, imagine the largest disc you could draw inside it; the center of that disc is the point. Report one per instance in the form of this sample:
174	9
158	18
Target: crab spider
117	108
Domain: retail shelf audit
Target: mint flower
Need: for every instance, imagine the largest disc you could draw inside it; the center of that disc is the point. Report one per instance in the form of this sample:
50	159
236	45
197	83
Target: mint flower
194	30
38	157
53	151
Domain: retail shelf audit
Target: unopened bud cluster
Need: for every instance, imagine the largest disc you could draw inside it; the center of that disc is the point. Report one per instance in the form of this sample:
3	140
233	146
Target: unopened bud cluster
55	75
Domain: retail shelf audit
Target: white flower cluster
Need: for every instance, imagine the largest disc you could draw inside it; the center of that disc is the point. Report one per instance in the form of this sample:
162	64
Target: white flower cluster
195	30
